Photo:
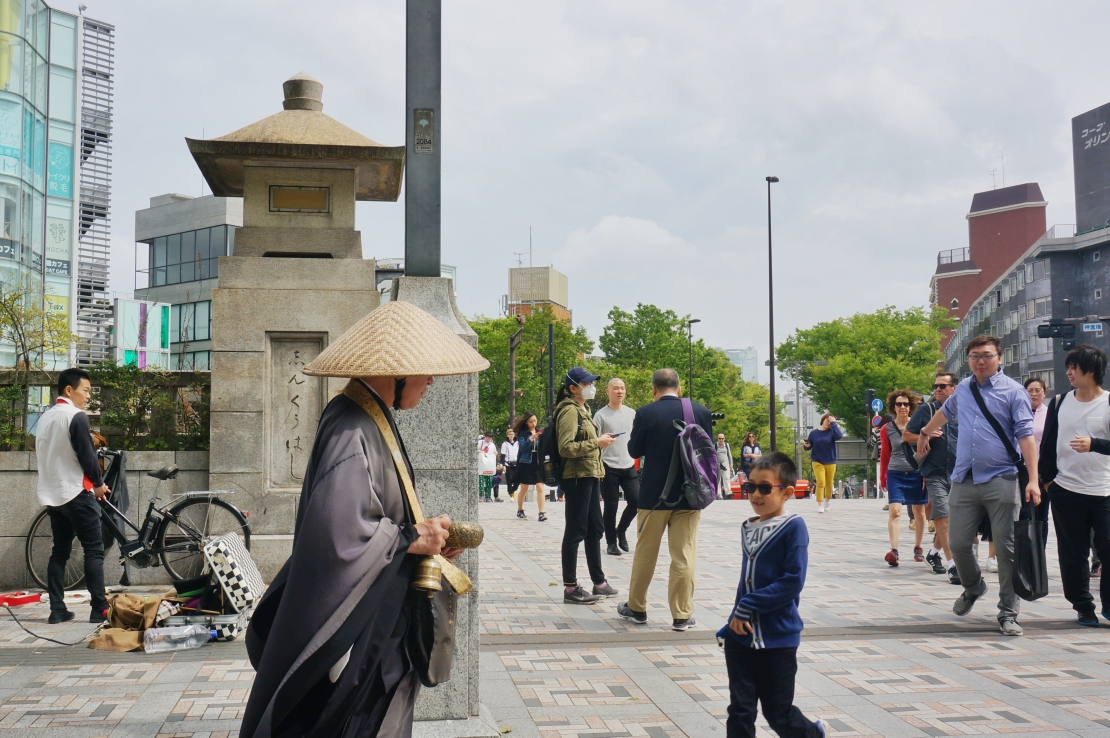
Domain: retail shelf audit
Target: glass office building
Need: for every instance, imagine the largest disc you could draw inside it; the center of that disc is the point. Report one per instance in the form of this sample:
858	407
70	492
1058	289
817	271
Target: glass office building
38	135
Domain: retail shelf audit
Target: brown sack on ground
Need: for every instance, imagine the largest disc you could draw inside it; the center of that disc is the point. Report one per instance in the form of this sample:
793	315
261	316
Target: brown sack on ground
128	615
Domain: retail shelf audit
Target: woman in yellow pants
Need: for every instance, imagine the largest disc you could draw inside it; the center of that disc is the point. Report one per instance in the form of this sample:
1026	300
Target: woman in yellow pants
821	445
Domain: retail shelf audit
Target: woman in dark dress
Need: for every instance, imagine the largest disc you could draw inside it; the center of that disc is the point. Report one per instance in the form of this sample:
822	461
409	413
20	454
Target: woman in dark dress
528	463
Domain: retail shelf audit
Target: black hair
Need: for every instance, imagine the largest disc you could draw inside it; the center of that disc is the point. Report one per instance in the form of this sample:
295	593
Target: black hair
487	434
1087	359
1038	380
521	425
71	378
779	464
564	393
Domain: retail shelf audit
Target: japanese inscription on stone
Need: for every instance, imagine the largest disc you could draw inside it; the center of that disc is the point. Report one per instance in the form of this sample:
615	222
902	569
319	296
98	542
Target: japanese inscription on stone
296	401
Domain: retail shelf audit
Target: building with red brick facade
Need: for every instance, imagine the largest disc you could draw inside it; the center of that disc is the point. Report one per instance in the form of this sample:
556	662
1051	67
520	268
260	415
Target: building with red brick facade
1002	224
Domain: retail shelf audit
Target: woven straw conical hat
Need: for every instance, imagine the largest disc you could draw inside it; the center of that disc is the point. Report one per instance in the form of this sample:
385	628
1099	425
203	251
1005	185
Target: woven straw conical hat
397	340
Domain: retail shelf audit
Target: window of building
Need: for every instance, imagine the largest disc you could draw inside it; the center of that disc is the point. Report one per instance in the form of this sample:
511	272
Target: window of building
1029	272
1006	324
1004	293
191	321
1039	308
1014	322
1021	279
1024	348
1013	286
1021	313
192	361
1006	355
1098	294
188	257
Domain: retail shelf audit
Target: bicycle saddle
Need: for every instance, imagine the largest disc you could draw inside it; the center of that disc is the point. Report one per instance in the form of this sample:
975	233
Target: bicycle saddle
166	472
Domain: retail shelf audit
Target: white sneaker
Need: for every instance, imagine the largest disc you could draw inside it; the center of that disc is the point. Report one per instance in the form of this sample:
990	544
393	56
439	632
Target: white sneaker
992	565
820	508
827	503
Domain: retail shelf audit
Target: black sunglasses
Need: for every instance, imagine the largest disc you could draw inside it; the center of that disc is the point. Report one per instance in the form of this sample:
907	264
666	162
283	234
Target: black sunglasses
901	404
941	386
749	488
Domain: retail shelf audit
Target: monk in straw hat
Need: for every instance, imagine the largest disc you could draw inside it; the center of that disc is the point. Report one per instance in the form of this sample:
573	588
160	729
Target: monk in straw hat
328	637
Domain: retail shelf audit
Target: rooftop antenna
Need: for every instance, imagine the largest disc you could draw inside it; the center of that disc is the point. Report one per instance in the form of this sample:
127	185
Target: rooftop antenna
519	258
994	182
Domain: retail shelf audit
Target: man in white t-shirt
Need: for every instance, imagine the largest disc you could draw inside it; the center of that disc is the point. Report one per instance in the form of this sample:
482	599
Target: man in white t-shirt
1075	469
620	468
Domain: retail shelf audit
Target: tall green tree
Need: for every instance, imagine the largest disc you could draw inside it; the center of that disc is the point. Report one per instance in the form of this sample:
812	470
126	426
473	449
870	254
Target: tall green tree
883	350
571	345
648	338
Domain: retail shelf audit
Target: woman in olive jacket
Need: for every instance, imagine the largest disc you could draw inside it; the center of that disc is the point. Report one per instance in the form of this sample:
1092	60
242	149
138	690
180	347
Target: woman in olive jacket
580	449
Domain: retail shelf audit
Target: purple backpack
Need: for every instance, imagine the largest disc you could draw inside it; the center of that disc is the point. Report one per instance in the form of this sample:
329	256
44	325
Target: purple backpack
696	454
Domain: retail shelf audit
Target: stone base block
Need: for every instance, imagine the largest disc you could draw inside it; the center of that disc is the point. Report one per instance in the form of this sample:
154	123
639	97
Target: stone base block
482	726
317	242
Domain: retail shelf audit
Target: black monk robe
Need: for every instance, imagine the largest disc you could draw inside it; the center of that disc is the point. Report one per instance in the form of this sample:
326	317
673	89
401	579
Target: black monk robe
344	588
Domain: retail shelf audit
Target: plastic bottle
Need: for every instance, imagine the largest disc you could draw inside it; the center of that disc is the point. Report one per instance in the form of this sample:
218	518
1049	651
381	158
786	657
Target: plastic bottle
176	638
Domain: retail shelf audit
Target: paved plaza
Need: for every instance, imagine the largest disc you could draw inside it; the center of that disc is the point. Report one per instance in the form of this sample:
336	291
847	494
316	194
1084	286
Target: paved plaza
882	654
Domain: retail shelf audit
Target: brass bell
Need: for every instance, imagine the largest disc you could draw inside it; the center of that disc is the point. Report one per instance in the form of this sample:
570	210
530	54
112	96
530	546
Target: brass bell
428	575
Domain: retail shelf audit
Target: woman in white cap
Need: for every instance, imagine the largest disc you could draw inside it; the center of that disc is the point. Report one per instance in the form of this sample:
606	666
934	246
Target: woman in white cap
328	639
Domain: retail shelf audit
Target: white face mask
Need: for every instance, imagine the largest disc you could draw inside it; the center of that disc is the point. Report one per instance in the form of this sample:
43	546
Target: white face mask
589	392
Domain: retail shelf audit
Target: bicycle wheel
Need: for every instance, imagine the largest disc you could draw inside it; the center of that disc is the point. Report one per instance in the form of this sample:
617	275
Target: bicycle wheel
191	523
40	542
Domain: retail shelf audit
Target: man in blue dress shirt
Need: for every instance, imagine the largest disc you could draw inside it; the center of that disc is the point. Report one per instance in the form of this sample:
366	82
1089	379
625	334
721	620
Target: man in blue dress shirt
984	479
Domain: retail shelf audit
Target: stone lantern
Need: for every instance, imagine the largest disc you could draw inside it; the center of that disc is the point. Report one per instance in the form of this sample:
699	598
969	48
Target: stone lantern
295	282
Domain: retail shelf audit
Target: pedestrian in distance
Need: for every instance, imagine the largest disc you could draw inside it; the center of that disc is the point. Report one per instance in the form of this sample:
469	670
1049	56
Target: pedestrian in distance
936	468
821	445
70	485
509	451
1075	469
764	630
985	478
653	439
528	464
487	467
1035	387
903	483
615	419
724	467
580	447
749	453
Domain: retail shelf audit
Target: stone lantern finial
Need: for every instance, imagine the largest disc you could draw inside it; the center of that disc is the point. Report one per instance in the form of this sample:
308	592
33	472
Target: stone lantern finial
303	92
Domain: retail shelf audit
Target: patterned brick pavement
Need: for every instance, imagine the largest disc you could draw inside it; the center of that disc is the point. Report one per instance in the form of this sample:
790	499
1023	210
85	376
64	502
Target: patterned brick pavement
882	654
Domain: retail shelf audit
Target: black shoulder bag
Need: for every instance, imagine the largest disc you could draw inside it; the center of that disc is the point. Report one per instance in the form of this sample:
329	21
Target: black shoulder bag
1030	576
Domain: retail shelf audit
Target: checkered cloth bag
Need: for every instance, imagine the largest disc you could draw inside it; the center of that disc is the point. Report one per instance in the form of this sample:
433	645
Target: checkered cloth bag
235	570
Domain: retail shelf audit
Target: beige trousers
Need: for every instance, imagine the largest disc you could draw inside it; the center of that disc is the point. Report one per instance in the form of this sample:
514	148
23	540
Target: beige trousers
681	527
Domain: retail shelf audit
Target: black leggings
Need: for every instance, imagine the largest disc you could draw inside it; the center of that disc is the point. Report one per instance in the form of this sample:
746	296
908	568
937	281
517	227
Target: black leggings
583	525
616	480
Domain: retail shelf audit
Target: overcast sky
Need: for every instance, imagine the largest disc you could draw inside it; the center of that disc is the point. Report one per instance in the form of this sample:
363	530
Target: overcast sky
634	137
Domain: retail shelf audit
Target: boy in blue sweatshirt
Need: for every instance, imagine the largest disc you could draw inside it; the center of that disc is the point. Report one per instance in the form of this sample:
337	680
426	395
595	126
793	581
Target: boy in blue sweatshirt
762	636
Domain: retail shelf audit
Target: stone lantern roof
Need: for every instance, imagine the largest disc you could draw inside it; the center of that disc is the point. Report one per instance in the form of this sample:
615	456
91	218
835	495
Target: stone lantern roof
300	136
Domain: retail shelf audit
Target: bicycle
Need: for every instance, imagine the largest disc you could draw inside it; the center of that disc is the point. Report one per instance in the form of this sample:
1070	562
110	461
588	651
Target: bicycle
172	535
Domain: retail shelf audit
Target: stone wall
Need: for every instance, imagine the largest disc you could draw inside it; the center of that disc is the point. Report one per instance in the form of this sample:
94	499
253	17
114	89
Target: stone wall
19	505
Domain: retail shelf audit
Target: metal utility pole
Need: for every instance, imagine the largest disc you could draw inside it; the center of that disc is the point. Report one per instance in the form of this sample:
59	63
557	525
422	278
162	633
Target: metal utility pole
422	137
514	343
771	313
690	344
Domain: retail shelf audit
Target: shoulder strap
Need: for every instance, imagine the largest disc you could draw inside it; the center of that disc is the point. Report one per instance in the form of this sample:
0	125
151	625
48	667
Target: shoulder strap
361	396
1015	457
688	411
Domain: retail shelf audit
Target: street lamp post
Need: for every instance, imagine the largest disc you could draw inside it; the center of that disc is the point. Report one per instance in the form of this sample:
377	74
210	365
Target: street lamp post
690	343
771	312
514	343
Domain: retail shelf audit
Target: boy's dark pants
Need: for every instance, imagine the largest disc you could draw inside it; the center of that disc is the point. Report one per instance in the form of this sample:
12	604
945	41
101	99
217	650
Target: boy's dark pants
767	675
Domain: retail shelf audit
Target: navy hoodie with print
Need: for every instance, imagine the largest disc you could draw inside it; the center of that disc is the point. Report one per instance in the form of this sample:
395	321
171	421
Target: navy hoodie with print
771	581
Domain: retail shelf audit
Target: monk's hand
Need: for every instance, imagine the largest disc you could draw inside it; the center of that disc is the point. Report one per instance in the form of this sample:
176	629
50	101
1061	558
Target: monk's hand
740	627
451	553
433	534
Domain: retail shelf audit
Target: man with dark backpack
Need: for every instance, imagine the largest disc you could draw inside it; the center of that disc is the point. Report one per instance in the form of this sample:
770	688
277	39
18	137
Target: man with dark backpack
653	437
936	467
